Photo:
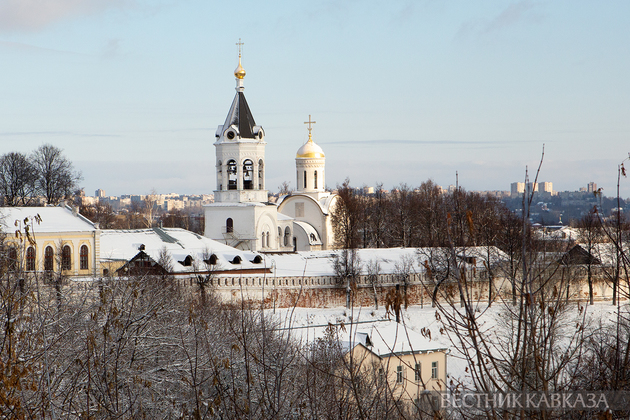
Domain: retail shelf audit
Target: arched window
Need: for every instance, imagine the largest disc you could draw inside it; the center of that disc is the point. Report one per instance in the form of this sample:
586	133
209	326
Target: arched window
313	238
49	259
220	175
304	179
229	225
66	258
30	259
248	175
232	175
83	257
279	231
12	263
261	174
315	179
287	236
213	259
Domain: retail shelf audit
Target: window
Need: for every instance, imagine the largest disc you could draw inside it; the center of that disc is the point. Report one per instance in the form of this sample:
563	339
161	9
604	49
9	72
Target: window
229	225
279	231
220	175
261	174
232	173
299	209
83	257
315	179
399	374
248	175
12	263
418	372
66	258
434	370
304	179
287	236
49	262
30	259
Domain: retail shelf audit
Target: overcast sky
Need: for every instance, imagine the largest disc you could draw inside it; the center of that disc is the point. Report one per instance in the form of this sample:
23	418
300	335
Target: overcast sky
402	91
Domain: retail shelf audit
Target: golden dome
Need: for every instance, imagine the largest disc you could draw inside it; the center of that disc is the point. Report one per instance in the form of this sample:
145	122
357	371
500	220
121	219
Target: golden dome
310	150
240	71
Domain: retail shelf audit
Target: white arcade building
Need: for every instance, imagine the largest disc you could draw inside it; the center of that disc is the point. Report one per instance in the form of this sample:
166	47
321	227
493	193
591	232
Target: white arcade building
242	215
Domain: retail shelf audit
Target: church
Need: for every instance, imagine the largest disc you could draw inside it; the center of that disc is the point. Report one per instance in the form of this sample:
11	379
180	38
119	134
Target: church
241	215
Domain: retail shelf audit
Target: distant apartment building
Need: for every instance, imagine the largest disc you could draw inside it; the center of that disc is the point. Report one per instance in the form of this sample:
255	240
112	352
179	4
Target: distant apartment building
517	188
99	193
545	187
591	187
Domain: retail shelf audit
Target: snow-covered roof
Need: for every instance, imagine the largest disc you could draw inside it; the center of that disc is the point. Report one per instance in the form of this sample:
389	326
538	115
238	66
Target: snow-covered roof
383	338
284	217
215	204
319	263
564	233
311	233
392	338
53	219
323	203
123	245
241	117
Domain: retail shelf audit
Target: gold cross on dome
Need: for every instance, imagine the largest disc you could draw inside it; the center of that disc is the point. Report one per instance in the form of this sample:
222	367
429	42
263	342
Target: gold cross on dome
240	44
310	124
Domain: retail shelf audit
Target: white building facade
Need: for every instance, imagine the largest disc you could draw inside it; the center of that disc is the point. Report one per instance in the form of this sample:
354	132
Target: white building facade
241	215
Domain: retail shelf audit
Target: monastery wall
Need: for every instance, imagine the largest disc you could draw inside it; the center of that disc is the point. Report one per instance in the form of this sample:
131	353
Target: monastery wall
327	292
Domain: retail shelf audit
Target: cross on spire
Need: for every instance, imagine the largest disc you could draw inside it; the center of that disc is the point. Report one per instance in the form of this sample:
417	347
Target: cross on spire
310	125
240	44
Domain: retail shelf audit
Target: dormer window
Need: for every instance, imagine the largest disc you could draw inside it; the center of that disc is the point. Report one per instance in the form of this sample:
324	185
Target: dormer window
187	261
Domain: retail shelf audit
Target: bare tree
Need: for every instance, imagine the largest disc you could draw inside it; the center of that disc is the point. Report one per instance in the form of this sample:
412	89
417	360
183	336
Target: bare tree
346	217
347	266
374	273
284	188
590	234
18	179
56	177
150	207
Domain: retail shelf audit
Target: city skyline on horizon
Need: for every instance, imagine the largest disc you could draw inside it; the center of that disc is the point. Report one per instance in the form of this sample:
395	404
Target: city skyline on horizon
403	92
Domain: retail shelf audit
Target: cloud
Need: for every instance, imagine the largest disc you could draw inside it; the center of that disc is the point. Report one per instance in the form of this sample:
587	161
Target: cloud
19	46
514	13
33	15
54	133
424	142
112	48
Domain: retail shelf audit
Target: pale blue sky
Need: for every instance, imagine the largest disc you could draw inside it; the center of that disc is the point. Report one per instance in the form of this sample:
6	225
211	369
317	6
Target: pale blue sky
402	91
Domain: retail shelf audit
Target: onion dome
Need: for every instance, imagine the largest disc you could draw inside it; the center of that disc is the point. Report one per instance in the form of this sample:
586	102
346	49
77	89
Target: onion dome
310	150
240	71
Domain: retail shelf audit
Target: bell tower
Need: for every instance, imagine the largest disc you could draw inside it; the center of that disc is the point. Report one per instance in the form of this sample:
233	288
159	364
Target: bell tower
240	151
